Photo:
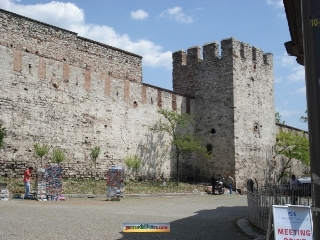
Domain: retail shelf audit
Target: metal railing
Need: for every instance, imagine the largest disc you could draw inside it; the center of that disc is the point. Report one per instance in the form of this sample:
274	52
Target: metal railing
261	199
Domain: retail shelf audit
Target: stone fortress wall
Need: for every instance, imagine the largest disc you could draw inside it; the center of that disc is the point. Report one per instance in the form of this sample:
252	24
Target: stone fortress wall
70	92
234	101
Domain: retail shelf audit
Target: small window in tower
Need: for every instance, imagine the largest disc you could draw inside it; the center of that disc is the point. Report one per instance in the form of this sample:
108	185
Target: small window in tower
135	104
213	131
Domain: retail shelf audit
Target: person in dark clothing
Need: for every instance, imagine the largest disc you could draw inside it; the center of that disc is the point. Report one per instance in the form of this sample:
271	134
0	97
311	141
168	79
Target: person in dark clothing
294	186
213	183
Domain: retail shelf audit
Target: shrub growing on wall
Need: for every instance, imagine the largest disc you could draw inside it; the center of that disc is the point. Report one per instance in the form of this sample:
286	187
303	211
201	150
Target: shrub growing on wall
40	151
58	155
133	162
94	155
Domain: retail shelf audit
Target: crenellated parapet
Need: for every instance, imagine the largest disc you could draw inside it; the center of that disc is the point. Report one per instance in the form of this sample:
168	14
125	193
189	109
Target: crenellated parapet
230	47
233	88
188	64
211	51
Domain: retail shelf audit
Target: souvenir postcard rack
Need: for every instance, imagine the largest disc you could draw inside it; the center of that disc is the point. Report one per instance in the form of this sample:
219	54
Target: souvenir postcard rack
54	182
115	183
41	185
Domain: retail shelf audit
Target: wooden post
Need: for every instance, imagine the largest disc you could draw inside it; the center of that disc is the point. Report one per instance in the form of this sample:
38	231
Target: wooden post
311	46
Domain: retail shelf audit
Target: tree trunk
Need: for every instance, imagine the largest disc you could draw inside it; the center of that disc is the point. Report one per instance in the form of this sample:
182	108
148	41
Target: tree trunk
177	155
284	169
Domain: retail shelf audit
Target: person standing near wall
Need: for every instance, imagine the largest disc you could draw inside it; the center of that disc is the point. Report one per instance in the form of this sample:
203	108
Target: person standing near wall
26	181
213	183
229	182
294	185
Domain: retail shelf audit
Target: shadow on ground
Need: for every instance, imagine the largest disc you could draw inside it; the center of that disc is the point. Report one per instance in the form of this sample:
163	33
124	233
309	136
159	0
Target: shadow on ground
219	224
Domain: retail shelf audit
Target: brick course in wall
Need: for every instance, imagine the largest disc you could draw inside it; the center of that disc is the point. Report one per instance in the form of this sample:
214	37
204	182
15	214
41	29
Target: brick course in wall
70	92
17	61
74	93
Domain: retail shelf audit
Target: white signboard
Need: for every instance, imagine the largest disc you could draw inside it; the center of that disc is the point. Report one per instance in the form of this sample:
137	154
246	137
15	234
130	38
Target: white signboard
292	222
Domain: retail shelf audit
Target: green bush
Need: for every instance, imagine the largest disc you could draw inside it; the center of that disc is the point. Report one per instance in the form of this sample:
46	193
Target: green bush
94	155
41	150
133	162
58	155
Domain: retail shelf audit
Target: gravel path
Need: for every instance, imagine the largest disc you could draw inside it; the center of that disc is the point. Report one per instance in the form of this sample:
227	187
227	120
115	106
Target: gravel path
190	217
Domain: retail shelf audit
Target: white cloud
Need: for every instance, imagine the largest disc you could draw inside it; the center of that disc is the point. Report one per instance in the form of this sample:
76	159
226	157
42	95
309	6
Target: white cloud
301	90
64	15
176	14
71	17
298	73
139	15
197	9
278	79
281	15
277	3
288	61
287	113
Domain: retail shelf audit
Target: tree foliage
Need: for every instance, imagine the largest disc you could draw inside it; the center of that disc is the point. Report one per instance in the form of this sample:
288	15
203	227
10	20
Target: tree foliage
133	162
304	118
58	155
41	150
177	126
278	118
95	152
3	134
293	146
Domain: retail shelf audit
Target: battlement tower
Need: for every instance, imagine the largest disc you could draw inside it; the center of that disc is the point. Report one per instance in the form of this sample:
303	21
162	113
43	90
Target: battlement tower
234	105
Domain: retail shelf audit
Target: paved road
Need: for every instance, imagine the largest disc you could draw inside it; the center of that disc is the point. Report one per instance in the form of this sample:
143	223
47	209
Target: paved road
191	217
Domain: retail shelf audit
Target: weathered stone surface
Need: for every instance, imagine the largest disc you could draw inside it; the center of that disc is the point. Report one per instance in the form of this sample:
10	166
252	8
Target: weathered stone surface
234	108
74	93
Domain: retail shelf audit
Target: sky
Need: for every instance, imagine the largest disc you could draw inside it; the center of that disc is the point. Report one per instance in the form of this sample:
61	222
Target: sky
154	29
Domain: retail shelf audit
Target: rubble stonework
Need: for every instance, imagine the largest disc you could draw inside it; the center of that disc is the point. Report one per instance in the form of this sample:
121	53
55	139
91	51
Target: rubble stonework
234	107
74	93
69	92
